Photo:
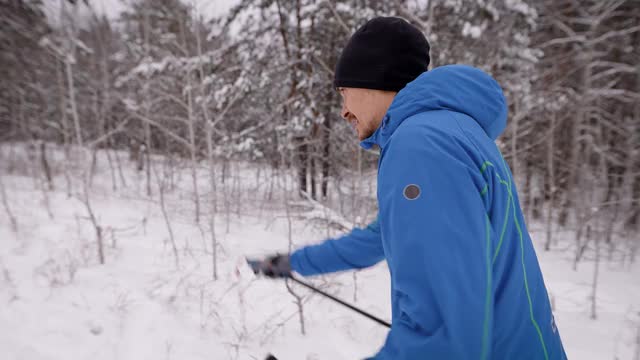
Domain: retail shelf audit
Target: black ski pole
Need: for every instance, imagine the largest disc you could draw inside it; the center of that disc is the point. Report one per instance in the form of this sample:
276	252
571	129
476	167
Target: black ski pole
255	266
359	311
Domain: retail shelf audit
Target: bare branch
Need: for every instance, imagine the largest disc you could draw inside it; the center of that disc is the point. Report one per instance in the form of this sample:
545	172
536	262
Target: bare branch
611	34
163	129
337	16
106	136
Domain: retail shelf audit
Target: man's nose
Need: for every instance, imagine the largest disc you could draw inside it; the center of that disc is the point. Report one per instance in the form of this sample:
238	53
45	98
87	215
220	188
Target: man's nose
345	112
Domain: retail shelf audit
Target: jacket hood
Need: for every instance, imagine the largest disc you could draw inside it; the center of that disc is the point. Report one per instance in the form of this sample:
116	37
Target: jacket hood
458	88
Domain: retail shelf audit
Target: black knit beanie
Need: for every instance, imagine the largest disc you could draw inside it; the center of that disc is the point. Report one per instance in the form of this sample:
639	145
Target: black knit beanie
386	53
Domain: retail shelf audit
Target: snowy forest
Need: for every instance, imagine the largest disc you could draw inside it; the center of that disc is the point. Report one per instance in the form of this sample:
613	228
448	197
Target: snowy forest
144	154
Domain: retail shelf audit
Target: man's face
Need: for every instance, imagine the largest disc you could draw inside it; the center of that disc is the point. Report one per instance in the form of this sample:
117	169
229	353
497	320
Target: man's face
365	108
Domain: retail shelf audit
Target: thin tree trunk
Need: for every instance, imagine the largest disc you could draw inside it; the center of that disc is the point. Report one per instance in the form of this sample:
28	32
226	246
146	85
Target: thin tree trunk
147	155
272	181
237	191
94	164
514	144
579	204
65	126
212	174
45	197
31	167
194	160
580	247
609	229
298	298
112	170
225	191
69	57
312	175
103	116
46	169
594	283
94	220
574	196
355	286
326	154
303	158
119	167
72	100
527	189
147	110
551	186
7	208
632	222
354	183
212	202
165	215
101	131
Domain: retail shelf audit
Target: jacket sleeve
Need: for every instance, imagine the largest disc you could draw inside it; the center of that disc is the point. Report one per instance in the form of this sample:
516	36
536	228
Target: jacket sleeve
438	251
358	249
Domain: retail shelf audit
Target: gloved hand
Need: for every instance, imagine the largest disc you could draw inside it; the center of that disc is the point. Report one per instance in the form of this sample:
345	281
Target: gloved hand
275	266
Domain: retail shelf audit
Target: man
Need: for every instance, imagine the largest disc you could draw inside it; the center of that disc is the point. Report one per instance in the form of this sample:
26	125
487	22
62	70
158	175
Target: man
465	280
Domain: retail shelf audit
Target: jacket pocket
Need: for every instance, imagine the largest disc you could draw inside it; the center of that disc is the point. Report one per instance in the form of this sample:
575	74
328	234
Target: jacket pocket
419	316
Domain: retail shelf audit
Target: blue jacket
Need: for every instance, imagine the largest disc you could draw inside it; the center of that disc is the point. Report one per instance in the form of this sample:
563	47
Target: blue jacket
465	280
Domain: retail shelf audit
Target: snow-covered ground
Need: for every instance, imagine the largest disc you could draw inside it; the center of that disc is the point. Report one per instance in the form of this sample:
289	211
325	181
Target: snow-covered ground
58	302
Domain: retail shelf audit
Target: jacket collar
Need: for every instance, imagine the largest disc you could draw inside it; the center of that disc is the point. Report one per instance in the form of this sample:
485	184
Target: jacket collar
457	88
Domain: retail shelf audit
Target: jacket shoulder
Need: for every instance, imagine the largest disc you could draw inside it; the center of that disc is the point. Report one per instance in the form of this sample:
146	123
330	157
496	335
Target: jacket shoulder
427	129
436	137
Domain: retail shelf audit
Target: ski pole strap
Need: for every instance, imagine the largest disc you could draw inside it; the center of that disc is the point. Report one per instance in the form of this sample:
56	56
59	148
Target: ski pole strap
361	312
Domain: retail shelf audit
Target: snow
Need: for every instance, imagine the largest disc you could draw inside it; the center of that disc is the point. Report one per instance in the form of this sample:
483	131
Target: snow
58	302
473	31
521	7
